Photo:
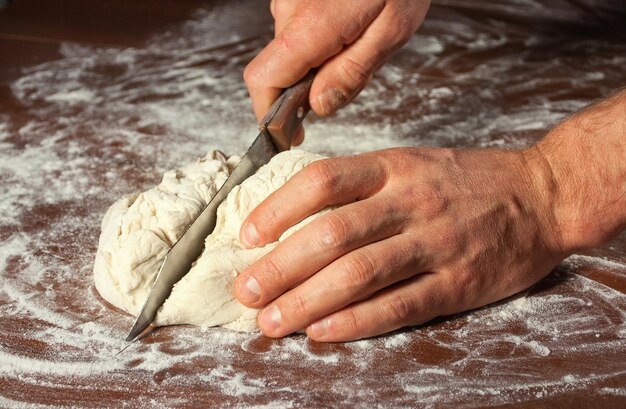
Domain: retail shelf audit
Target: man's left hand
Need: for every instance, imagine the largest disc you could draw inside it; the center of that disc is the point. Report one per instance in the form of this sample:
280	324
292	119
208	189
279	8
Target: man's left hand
418	233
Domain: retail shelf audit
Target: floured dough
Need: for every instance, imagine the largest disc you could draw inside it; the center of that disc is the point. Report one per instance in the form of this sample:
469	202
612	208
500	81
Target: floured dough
139	229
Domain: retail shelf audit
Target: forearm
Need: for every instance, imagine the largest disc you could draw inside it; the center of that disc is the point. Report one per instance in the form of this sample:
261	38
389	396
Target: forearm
585	159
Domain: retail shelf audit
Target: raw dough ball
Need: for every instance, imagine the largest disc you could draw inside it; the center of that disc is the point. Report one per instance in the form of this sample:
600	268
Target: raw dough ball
139	229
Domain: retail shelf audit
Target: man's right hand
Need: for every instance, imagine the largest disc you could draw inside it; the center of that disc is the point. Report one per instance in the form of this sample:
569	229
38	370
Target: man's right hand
349	40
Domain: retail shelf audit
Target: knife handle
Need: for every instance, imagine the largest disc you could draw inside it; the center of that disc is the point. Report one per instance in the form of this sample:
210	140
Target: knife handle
288	112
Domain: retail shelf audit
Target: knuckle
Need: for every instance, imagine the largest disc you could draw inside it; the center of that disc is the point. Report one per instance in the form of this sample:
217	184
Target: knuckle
403	28
435	199
278	8
273	8
350	323
403	161
358	272
322	176
296	37
429	198
462	283
356	74
397	308
456	293
298	306
286	38
464	287
274	269
314	29
349	28
333	230
422	156
403	34
250	74
266	220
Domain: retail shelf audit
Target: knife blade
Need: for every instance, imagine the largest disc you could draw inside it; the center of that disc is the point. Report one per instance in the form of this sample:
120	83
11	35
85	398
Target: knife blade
277	130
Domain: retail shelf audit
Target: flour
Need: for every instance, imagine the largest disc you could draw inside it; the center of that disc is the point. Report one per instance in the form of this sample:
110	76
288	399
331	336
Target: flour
614	391
100	123
397	340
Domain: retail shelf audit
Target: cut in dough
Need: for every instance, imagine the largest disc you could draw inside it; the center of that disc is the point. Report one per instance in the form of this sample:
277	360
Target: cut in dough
139	229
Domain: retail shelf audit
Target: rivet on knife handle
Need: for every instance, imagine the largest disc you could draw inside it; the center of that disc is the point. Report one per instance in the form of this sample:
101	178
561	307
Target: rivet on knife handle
288	112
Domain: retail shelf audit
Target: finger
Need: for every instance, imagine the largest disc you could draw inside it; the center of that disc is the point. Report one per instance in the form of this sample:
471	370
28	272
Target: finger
342	77
322	183
411	302
315	246
262	99
282	10
350	278
316	32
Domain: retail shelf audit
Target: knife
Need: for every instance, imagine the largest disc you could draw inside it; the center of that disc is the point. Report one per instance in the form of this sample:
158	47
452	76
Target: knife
278	129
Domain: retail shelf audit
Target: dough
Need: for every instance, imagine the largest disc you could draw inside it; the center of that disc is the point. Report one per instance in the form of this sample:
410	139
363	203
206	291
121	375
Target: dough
139	229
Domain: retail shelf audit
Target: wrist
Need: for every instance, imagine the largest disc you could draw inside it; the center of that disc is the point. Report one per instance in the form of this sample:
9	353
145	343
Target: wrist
545	192
582	168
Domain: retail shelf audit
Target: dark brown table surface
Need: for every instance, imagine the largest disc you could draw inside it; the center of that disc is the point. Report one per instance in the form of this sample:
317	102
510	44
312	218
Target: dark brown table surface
98	99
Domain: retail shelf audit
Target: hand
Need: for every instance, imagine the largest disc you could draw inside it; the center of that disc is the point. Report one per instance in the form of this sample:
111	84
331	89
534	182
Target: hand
419	233
349	40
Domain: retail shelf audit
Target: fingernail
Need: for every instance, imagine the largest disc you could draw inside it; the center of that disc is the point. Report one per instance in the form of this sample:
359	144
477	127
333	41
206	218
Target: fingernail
320	328
331	100
250	290
250	235
270	318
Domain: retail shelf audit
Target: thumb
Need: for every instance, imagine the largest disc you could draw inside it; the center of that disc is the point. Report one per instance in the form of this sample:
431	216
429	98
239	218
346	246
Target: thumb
343	76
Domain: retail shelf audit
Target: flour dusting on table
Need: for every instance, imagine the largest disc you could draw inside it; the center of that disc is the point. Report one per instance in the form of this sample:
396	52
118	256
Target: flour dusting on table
124	116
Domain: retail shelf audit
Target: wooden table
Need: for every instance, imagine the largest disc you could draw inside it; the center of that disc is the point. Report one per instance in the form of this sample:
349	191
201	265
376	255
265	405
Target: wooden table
97	99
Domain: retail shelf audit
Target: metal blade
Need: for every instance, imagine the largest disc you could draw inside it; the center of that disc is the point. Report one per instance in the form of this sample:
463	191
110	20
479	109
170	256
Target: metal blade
187	249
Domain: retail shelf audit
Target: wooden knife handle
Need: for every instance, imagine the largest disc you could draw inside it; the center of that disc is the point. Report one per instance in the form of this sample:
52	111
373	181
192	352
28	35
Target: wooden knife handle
288	112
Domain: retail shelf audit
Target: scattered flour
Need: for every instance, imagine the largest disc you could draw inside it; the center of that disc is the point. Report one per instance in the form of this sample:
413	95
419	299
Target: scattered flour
395	341
100	123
